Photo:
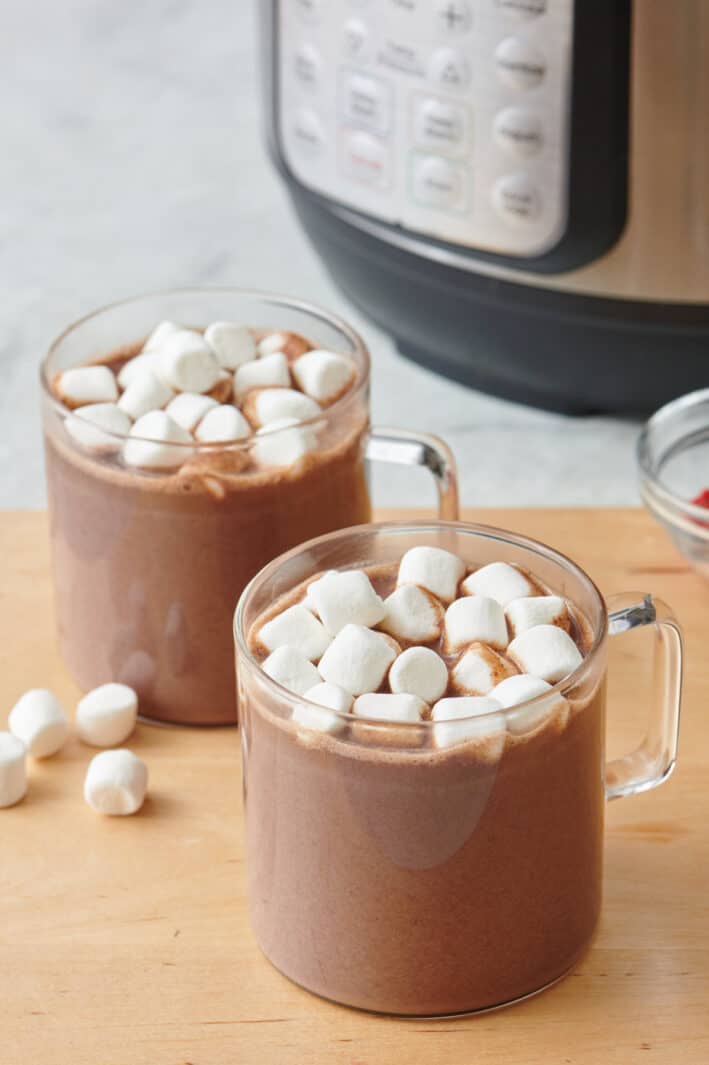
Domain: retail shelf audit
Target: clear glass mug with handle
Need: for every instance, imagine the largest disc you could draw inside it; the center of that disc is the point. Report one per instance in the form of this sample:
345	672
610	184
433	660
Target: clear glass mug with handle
396	872
148	564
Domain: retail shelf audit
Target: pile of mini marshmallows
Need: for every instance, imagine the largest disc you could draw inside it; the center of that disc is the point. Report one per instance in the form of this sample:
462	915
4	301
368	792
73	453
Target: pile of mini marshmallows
116	780
158	400
505	643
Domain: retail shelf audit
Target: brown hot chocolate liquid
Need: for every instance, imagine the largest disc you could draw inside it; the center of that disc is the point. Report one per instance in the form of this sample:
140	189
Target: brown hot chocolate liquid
425	881
149	565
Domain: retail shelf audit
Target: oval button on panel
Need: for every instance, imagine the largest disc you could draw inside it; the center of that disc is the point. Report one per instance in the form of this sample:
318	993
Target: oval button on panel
518	131
516	199
453	16
308	130
439	124
366	159
522	8
449	69
308	66
437	183
519	64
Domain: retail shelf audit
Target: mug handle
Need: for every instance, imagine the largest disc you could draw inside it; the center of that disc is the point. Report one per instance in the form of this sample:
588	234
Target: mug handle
419	449
654	759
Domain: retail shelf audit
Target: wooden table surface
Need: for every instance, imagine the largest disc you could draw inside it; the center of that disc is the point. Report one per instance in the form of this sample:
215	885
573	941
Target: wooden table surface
126	941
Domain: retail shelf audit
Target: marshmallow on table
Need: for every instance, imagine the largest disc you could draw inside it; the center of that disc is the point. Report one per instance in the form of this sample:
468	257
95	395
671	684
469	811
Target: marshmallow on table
159	443
479	670
39	721
419	671
187	363
545	651
435	569
98	426
332	702
289	667
272	404
357	660
88	384
146	362
413	615
146	392
475	618
269	372
459	719
397	708
221	425
13	770
188	408
534	610
520	689
499	581
116	782
160	334
106	716
283	443
323	375
345	598
291	344
299	628
232	344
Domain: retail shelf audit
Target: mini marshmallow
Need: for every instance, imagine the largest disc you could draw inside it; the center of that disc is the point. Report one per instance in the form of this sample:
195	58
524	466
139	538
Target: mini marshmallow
433	568
98	427
232	344
395	708
291	344
188	409
288	666
146	362
299	628
323	375
357	660
479	670
146	392
273	404
39	721
419	671
13	770
499	581
330	695
272	343
283	443
331	699
475	618
221	425
346	598
88	384
156	444
413	615
160	334
461	719
116	782
106	716
187	363
269	372
526	613
545	651
519	689
308	600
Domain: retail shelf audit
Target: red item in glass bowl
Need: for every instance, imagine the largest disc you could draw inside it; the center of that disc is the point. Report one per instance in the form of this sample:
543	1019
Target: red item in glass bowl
702	500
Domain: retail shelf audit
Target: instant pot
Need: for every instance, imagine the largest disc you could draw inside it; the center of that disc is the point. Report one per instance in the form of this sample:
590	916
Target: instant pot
517	190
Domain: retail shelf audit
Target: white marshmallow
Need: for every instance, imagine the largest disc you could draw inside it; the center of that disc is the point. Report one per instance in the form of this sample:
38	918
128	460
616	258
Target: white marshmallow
384	707
221	425
499	581
331	699
187	363
160	334
289	667
232	344
534	610
466	718
88	384
475	618
357	660
13	770
106	716
146	362
273	404
269	372
433	568
159	444
308	600
188	408
272	343
116	782
419	671
479	670
283	443
330	695
413	615
346	598
39	721
520	689
323	375
295	626
98	427
545	651
146	392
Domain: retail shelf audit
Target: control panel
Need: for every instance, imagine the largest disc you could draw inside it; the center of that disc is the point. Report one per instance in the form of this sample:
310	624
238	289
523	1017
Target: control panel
449	118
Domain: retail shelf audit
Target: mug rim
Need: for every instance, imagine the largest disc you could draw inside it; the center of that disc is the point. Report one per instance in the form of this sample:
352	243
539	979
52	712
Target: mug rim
490	532
276	298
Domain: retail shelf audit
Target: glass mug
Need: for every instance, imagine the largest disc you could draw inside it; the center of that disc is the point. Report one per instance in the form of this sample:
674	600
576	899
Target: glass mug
148	565
391	875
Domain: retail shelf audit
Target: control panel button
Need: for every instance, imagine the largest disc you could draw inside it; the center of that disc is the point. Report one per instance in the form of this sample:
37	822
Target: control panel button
366	159
406	7
309	9
518	131
519	64
356	38
439	124
308	131
453	16
438	183
308	66
366	101
449	69
516	199
523	8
